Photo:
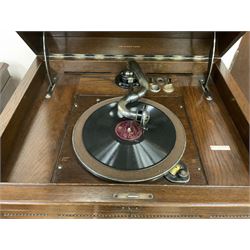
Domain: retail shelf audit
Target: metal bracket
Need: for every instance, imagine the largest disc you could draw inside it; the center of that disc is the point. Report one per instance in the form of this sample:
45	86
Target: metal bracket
204	83
178	173
51	79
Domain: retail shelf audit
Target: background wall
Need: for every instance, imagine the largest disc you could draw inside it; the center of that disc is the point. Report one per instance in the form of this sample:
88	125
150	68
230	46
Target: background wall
15	52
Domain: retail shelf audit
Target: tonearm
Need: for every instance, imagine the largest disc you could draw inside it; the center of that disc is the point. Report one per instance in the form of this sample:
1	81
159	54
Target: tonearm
142	116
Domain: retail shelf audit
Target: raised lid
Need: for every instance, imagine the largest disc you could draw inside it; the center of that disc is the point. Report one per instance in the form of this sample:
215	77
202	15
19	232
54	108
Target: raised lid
131	43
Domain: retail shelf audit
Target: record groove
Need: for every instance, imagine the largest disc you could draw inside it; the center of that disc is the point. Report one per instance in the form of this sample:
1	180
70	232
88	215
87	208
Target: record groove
102	142
109	156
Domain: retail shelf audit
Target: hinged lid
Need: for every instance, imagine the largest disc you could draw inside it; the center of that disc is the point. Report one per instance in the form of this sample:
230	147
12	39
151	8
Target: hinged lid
186	44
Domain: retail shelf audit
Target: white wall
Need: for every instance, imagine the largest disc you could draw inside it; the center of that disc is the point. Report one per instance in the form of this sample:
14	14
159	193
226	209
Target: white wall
15	52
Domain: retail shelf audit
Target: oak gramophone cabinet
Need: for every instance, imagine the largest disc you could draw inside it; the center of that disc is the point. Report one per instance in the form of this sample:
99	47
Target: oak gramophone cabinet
56	119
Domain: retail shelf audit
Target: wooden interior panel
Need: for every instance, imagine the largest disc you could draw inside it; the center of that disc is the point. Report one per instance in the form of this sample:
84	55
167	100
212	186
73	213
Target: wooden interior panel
15	112
163	43
210	123
213	125
104	84
235	100
36	70
134	34
129	46
240	68
166	43
38	139
111	66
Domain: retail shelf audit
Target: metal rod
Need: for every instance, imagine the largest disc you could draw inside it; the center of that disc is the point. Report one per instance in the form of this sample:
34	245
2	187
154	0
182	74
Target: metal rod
47	66
211	60
204	83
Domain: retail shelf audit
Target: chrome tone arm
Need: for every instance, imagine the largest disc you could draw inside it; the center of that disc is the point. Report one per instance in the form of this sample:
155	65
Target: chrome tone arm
134	66
142	116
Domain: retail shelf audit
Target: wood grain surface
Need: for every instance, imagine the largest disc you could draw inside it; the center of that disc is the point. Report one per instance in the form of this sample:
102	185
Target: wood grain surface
91	201
234	99
210	123
34	131
187	43
112	66
240	68
37	143
16	112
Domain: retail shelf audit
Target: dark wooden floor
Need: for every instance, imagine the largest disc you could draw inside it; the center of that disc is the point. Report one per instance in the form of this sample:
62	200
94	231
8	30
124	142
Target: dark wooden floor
40	138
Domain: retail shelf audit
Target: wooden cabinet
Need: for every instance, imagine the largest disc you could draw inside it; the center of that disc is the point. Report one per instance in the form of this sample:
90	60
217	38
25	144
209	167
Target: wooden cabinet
40	174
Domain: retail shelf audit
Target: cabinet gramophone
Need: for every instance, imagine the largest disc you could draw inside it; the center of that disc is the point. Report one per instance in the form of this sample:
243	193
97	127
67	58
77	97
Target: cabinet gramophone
126	125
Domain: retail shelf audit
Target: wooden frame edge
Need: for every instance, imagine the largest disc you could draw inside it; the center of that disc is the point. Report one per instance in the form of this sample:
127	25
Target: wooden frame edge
88	201
19	93
234	99
16	109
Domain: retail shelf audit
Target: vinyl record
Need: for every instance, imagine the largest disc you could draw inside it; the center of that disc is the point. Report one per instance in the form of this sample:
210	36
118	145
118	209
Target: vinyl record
152	146
119	149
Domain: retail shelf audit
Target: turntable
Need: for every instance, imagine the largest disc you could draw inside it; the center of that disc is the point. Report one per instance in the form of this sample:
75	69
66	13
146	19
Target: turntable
130	139
127	125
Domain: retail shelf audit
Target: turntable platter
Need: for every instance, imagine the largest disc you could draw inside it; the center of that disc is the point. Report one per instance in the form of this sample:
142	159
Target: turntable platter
144	149
120	150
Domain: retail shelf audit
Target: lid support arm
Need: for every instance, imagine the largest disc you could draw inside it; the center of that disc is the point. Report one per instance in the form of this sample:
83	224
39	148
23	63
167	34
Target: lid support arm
204	83
51	79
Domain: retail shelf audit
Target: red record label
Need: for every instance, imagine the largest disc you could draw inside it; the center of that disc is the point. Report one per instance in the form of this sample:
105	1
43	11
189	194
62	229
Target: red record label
128	130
